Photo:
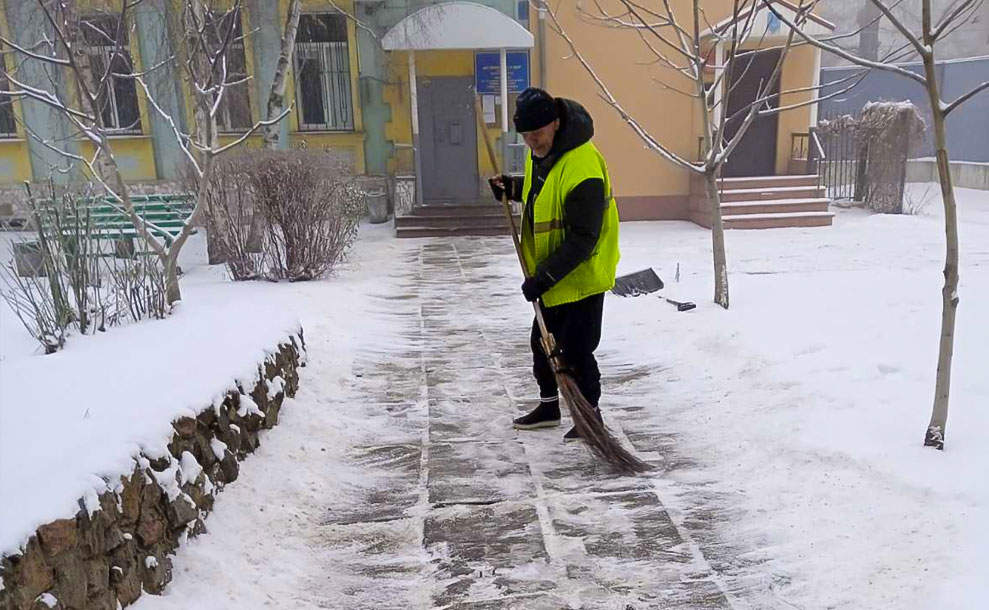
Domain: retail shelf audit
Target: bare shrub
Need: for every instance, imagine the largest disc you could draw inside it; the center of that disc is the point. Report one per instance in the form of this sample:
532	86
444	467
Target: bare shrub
77	286
309	204
890	131
916	201
233	234
35	305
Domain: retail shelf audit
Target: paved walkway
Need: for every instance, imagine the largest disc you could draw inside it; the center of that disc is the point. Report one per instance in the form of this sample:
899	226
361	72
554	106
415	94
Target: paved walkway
491	518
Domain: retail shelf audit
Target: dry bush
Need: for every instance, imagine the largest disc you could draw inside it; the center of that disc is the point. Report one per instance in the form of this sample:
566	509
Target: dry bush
891	131
283	215
77	285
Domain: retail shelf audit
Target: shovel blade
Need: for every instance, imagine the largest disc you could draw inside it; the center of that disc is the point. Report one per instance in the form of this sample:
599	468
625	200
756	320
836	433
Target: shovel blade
635	284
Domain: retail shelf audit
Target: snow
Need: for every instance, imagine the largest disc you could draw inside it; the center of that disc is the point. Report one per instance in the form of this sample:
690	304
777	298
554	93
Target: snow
48	599
219	448
248	406
901	105
810	397
189	468
71	422
275	386
263	548
804	406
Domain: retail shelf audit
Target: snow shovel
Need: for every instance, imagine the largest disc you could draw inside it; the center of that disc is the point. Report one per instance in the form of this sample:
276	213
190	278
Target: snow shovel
640	282
645	282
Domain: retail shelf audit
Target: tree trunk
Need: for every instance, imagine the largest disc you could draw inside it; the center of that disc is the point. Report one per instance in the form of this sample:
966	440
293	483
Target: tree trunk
717	238
205	131
276	98
173	293
934	437
276	104
949	293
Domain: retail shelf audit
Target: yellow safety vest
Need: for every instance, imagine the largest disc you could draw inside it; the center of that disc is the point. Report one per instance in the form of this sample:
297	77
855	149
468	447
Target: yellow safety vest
596	274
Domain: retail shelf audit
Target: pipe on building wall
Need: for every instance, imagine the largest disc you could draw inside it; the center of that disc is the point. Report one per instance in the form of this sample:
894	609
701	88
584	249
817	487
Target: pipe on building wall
542	47
414	102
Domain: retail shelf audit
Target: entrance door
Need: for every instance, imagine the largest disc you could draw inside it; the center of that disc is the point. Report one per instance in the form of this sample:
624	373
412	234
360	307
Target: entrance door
448	139
755	155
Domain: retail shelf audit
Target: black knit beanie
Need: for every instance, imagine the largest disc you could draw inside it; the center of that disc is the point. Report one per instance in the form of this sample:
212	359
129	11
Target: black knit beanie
534	108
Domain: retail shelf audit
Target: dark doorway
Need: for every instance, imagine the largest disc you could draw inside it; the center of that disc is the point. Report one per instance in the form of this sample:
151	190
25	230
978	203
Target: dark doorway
755	155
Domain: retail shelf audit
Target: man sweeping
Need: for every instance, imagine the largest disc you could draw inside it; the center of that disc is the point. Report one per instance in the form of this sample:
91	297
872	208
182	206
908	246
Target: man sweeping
569	242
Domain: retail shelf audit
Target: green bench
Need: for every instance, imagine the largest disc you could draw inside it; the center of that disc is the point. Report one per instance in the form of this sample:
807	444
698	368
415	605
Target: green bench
166	215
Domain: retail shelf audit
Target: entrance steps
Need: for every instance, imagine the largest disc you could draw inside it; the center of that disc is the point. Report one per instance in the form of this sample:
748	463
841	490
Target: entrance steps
764	202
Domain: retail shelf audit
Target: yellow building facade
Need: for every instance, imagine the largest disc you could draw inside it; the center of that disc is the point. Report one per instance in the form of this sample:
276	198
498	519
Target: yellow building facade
350	93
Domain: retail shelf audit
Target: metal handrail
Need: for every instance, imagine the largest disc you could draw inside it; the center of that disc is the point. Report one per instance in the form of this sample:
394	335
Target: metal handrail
817	144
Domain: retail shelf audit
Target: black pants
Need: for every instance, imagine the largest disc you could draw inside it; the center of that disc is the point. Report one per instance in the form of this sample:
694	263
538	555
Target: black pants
577	329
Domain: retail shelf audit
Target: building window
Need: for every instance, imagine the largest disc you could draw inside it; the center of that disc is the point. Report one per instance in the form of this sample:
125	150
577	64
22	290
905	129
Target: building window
117	96
322	69
8	127
234	113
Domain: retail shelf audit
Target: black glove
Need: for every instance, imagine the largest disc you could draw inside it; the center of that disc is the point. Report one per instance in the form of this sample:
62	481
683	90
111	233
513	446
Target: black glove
534	287
499	190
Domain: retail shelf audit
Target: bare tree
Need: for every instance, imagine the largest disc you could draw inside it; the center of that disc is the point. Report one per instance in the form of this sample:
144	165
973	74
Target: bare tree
925	43
684	44
207	33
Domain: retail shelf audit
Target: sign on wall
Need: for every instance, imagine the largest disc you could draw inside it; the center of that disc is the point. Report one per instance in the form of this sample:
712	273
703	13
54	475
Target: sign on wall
487	72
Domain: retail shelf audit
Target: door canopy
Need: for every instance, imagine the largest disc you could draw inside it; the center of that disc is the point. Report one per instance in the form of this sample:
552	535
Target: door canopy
457	26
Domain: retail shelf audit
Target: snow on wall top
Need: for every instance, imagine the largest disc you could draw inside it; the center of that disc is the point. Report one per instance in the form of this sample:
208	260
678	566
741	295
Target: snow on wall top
72	420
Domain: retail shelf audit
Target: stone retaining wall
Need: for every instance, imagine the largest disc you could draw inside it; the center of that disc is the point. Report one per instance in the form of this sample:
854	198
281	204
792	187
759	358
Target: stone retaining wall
120	544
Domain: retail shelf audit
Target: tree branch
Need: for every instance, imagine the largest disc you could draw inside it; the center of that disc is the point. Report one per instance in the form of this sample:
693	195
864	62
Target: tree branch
833	94
179	136
922	49
250	132
946	109
37	56
948	19
40	95
606	94
843	53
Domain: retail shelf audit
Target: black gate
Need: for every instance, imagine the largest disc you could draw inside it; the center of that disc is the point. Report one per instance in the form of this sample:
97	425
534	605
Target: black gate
843	164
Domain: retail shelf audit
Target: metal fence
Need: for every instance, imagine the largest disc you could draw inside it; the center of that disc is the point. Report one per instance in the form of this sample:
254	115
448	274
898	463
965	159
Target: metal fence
842	158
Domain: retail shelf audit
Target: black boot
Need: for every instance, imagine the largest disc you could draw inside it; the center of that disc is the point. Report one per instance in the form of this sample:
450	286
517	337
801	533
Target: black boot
573	435
545	415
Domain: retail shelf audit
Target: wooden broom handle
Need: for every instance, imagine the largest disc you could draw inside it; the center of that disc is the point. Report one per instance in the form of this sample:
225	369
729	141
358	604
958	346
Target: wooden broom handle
478	111
549	342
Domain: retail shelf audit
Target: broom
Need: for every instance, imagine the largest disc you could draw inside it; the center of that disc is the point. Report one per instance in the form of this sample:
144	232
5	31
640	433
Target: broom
592	431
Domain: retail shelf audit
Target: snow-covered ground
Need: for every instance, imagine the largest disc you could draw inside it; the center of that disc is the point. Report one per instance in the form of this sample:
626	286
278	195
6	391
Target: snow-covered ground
805	403
72	420
810	397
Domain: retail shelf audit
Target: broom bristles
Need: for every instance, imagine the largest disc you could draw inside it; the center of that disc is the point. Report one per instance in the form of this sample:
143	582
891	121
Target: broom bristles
593	432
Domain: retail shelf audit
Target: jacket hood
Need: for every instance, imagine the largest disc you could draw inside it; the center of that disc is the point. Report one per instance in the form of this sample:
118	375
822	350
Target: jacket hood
576	127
